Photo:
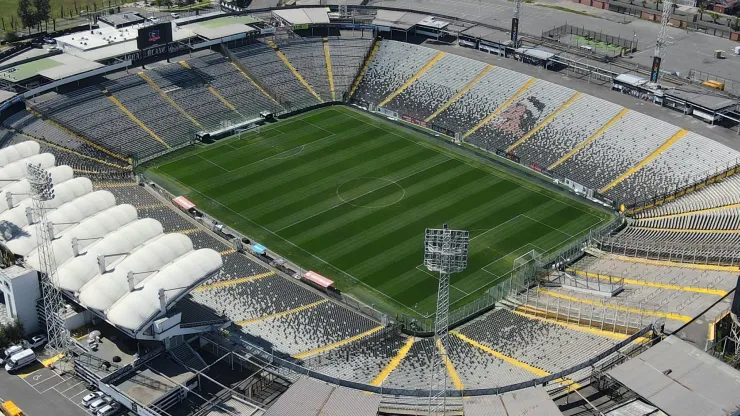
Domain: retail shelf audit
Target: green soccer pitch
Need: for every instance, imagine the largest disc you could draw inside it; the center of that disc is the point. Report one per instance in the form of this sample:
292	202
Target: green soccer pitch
349	196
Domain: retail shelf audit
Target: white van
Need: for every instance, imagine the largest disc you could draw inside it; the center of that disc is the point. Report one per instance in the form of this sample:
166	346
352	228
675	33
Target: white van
9	352
20	360
109	410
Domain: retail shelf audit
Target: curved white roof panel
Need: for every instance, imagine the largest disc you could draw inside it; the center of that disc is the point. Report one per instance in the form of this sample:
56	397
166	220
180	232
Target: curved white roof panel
88	232
17	169
64	217
139	307
18	151
78	271
104	290
13	220
19	191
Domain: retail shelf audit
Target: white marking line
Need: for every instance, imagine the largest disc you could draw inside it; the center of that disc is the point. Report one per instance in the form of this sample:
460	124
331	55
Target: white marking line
349	201
424	270
213	163
461	158
549	226
491	229
70	388
307	252
52	387
302	147
37	381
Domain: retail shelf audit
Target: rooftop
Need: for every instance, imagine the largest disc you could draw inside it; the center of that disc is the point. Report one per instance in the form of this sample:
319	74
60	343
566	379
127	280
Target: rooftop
714	101
682	380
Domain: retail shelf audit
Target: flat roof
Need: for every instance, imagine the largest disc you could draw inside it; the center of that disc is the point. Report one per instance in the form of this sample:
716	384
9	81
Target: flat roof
309	397
129	46
118	19
303	16
6	95
431	21
228	20
222	31
702	98
28	70
535	53
682	380
630	79
526	402
153	380
398	20
486	33
71	65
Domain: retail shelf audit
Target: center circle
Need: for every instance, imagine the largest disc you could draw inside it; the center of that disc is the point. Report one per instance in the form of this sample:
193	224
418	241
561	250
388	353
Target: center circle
352	190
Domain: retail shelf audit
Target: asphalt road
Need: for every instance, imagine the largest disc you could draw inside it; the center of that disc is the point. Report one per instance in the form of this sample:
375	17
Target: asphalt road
44	393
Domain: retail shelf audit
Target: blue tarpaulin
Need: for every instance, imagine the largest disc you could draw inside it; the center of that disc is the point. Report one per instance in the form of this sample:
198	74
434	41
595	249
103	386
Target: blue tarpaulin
259	248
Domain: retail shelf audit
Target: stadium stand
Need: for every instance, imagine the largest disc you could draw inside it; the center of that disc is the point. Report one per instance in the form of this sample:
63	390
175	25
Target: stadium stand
436	86
393	65
226	78
347	55
266	69
307	56
90	114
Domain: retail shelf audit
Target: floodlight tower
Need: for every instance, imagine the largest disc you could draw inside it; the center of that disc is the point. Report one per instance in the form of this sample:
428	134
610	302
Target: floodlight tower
42	190
515	23
660	44
445	252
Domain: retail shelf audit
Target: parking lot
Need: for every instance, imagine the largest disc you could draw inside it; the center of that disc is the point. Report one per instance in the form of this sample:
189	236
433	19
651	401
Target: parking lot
41	391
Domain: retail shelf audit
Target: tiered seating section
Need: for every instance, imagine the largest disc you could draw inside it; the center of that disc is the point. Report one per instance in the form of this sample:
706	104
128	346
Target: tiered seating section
626	155
347	58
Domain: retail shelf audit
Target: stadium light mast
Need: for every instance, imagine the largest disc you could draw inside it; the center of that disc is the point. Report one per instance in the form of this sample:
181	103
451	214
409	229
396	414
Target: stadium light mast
515	23
445	252
660	44
42	190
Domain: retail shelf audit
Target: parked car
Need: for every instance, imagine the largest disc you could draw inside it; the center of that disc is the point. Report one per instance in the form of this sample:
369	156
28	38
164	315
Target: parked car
153	19
36	341
109	410
89	398
100	403
174	15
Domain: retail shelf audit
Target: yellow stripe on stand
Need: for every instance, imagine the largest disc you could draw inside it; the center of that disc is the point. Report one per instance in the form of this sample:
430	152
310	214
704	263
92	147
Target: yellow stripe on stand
631	171
331	346
365	67
232	282
450	367
731	269
645	312
258	86
651	284
329	73
687	230
462	92
686	213
593	137
292	69
545	121
223	100
503	106
411	80
513	361
134	119
167	98
393	363
284	313
80	138
78	154
529	313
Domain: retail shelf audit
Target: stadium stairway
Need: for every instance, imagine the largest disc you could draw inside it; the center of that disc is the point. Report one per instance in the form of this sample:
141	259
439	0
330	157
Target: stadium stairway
413	78
187	356
78	137
460	93
501	108
210	88
544	122
167	98
593	137
295	72
536	371
330	74
329	347
670	142
133	118
373	51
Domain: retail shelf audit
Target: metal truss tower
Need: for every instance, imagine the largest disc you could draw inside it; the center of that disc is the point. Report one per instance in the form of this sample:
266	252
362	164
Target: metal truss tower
445	252
42	190
660	44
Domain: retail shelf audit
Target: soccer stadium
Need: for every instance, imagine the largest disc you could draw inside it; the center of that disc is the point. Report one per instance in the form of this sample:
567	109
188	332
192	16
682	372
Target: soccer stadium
352	209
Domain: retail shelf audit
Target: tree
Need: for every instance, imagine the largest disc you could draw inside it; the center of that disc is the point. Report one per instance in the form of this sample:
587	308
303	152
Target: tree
11	333
736	25
657	4
43	10
714	16
702	9
26	13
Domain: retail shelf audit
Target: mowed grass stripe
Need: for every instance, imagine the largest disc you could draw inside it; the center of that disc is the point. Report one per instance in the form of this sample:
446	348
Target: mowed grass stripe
286	177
